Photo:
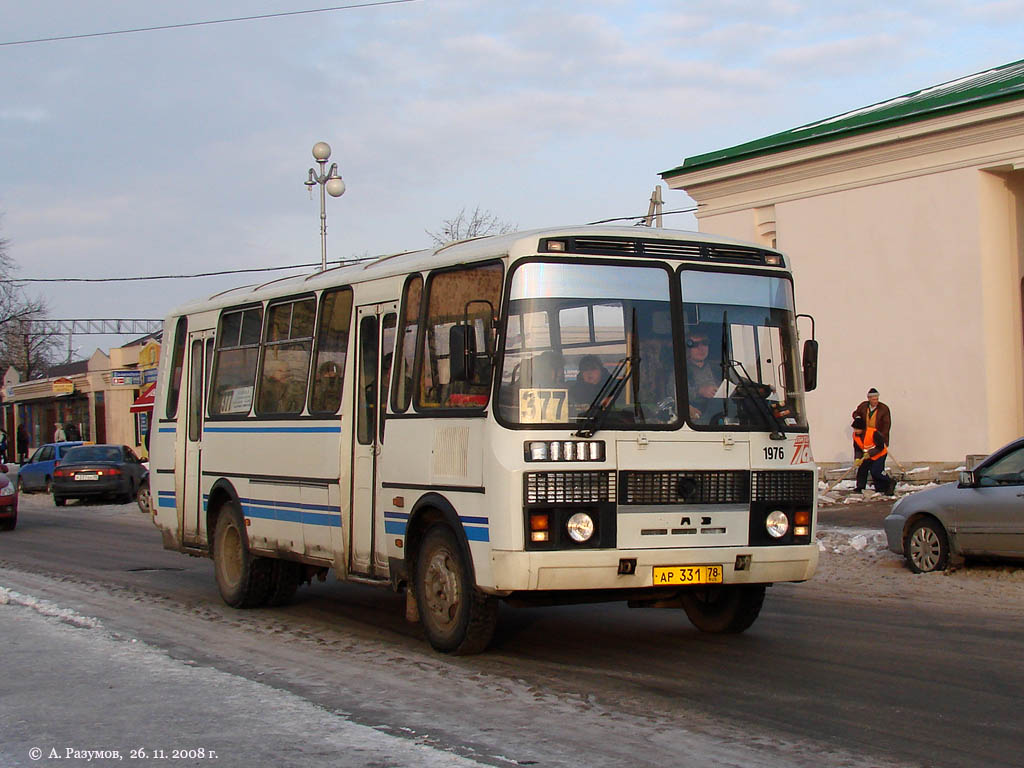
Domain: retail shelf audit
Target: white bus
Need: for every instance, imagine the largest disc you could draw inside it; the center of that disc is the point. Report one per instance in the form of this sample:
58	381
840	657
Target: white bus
556	416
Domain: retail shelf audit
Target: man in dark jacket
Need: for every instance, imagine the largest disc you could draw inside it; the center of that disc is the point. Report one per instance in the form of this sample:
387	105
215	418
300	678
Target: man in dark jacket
875	414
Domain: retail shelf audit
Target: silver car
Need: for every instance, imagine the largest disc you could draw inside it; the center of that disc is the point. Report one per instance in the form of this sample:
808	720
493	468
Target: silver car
982	515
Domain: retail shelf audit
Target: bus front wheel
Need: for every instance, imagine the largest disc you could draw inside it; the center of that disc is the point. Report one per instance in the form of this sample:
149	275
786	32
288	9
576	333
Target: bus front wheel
728	608
456	617
243	579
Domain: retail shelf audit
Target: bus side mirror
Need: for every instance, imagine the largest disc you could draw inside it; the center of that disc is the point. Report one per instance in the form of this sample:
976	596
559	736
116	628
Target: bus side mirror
462	351
810	365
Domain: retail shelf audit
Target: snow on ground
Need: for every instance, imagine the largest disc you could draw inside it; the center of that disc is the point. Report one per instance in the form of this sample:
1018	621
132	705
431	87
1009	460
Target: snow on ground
857	562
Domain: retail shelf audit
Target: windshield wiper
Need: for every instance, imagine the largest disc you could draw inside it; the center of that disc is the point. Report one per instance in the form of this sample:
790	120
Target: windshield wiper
756	393
602	402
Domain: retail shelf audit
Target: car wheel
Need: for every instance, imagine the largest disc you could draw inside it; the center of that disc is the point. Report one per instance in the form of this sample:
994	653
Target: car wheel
724	609
59	501
142	497
244	580
10	525
48	487
456	617
927	547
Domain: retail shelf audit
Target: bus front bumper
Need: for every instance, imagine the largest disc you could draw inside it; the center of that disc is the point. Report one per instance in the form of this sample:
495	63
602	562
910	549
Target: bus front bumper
601	569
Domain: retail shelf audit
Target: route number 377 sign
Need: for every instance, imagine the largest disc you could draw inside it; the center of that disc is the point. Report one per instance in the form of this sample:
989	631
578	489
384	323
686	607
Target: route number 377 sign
543	406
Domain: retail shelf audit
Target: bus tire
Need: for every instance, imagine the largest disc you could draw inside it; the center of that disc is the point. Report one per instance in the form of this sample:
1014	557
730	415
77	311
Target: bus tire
726	609
242	578
457	618
285	577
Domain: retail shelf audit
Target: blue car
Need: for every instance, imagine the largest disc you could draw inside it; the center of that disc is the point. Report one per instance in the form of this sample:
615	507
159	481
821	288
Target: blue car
37	473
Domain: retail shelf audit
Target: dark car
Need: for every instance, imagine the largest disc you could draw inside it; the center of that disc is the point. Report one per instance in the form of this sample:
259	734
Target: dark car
8	501
982	515
37	473
92	471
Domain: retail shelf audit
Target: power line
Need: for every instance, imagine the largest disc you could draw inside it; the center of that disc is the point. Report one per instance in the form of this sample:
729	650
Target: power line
343	262
643	216
205	23
173	277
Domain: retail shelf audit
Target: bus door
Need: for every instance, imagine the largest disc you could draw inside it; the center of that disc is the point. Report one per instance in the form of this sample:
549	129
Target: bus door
200	356
375	334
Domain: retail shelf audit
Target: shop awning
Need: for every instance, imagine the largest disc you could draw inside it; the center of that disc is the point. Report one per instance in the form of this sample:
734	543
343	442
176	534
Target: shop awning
144	402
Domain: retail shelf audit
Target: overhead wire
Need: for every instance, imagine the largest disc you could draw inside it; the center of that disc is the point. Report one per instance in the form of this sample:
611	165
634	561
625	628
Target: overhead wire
340	262
204	23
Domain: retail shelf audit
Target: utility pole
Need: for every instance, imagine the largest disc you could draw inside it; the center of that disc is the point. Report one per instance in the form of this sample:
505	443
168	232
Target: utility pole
653	217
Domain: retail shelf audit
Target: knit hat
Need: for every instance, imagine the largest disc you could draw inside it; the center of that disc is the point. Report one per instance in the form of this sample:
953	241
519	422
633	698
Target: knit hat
872	391
858	423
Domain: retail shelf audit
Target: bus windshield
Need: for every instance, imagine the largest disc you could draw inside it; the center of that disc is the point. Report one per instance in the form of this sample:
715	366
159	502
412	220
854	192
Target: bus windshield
594	346
586	339
742	366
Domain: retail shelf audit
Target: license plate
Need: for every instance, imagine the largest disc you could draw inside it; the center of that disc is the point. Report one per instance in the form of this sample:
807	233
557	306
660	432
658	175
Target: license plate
87	477
687	574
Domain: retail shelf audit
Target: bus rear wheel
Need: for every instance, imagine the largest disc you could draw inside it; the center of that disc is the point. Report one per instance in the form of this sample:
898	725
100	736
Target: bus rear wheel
244	580
725	609
457	618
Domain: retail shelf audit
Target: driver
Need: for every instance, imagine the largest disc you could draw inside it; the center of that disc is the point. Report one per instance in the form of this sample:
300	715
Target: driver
701	379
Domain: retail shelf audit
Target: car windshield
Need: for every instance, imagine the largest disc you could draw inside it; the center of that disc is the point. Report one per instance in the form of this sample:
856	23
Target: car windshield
92	453
741	359
588	344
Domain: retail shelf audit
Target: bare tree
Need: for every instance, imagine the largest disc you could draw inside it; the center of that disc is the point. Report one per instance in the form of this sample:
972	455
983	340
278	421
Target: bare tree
477	224
22	345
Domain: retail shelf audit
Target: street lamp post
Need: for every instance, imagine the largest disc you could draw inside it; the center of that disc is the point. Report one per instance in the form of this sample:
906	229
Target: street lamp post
329	181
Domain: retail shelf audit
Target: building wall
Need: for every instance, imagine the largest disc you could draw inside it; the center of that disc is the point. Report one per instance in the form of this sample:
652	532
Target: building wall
907	247
891	308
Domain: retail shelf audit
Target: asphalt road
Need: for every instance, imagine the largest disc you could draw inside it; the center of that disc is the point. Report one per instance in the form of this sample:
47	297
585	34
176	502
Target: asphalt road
823	678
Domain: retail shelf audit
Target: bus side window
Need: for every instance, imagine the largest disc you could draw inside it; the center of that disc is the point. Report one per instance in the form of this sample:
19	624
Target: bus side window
286	353
465	295
406	351
331	351
177	362
238	346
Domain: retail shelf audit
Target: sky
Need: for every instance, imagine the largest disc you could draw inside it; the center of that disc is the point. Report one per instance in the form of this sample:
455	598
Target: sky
185	150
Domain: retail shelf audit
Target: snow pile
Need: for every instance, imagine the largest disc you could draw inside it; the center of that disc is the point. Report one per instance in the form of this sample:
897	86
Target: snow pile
46	608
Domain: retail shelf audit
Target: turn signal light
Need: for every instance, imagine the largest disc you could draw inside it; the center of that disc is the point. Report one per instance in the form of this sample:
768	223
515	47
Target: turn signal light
539	525
801	517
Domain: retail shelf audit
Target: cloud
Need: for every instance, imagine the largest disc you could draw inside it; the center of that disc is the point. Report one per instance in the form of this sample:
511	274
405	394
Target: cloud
24	114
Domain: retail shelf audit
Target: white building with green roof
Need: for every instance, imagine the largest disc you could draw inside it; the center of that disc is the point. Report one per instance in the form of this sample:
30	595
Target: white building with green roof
904	222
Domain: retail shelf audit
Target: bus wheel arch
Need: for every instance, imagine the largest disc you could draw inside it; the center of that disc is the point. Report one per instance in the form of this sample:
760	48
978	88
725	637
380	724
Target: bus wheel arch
221	493
457	617
432	509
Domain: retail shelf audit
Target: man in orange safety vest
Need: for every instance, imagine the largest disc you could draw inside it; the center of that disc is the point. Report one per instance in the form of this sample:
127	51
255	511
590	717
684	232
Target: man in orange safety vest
870	450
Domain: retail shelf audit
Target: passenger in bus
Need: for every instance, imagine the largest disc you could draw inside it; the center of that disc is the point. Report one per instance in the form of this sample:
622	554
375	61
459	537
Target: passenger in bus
591	377
280	392
702	381
327	388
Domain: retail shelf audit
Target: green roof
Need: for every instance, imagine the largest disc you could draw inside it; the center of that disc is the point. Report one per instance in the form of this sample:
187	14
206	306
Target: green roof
1005	83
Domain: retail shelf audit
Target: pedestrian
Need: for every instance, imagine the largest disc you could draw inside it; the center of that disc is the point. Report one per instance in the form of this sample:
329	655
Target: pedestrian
71	431
58	433
22	445
870	450
3	446
876	415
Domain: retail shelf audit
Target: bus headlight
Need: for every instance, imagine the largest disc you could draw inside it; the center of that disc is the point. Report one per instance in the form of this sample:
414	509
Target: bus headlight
580	527
777	524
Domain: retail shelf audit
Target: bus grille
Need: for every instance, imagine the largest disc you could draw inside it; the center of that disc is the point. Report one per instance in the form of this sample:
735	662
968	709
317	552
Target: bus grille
569	487
685	487
782	486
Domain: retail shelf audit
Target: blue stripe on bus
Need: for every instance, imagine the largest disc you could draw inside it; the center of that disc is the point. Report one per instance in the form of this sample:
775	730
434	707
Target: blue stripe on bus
275	430
397	515
477	534
292	512
166	501
473	520
394	528
172	430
